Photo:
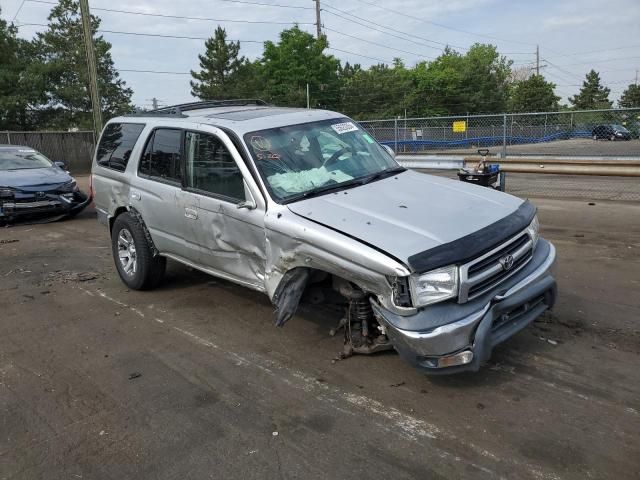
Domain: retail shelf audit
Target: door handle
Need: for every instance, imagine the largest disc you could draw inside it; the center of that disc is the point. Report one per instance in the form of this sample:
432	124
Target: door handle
190	213
135	196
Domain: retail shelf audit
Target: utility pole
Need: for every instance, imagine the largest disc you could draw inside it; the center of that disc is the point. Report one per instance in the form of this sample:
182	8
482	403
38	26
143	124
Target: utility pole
308	102
537	59
318	22
92	69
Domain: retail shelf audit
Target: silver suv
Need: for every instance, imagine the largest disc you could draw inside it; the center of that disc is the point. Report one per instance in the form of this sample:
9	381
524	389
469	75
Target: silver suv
305	205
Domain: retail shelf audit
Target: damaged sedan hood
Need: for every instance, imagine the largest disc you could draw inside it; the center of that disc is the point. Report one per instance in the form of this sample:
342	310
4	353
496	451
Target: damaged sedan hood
408	214
34	178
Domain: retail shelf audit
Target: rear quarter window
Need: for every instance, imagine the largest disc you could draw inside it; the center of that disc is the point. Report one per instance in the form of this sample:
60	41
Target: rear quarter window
116	144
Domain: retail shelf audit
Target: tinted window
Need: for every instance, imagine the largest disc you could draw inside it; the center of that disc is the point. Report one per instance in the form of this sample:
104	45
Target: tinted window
116	144
162	157
211	168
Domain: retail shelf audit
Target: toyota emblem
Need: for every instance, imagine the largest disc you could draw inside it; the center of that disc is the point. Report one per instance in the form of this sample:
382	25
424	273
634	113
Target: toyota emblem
506	262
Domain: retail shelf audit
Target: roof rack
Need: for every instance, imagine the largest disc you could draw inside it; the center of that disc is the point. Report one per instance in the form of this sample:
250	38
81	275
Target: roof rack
177	110
184	107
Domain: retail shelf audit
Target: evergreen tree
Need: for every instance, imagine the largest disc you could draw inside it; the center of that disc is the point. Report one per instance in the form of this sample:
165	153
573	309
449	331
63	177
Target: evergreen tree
630	97
19	89
592	95
534	94
61	54
222	70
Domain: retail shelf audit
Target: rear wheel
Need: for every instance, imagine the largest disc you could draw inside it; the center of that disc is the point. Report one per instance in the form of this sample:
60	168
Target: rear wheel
133	256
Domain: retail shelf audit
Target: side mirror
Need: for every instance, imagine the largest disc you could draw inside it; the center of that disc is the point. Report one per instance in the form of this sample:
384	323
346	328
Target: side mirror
249	203
60	165
389	150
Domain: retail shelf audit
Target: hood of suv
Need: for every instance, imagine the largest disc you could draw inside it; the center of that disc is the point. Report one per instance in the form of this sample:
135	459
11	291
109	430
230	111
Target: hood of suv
409	213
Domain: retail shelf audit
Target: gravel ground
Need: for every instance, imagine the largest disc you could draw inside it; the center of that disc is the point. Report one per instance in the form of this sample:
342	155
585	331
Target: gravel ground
192	381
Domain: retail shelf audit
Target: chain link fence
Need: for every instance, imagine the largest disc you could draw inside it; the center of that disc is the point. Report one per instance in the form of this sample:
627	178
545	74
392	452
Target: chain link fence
75	149
589	133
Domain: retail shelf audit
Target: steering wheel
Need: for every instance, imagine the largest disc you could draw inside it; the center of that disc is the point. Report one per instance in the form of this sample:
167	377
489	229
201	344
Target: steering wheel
334	158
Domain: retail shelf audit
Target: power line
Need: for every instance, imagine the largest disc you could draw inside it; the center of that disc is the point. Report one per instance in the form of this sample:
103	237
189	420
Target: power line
161	15
153	71
18	11
279	5
442	25
377	44
388	28
598	61
360	55
140	34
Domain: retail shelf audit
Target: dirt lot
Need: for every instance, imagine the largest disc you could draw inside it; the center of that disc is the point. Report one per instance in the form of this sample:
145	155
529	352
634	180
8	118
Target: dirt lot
192	381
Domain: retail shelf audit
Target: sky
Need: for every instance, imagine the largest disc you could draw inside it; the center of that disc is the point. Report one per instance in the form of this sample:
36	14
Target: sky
573	35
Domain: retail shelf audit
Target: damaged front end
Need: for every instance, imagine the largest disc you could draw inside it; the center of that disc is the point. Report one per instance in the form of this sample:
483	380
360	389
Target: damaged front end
363	334
37	204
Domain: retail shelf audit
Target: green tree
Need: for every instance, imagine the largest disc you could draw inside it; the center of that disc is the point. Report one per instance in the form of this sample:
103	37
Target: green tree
534	94
19	89
592	95
220	68
378	92
296	60
61	54
486	80
630	97
476	82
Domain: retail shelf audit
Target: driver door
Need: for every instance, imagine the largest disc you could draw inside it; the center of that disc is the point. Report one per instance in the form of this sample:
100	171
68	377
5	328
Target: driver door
224	222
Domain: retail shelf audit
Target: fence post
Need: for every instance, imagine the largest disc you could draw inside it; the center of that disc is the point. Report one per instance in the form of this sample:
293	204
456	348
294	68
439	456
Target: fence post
8	138
504	136
395	128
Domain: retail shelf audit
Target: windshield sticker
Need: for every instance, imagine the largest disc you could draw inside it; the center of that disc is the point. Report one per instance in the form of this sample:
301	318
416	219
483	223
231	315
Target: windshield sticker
260	143
368	138
345	127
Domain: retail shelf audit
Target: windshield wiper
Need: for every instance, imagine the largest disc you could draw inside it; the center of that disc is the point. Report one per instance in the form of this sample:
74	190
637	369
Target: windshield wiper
321	190
381	174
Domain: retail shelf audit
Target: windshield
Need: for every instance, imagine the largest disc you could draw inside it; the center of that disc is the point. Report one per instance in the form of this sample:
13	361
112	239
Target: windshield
619	128
22	159
298	160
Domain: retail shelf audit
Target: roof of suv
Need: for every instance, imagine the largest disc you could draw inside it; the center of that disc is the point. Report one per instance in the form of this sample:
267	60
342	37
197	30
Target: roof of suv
239	118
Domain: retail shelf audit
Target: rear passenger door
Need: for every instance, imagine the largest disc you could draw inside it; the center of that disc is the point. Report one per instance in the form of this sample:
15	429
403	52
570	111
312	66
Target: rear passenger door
157	191
224	219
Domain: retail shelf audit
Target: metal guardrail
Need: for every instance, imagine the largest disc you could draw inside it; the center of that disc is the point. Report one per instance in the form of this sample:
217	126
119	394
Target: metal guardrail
562	166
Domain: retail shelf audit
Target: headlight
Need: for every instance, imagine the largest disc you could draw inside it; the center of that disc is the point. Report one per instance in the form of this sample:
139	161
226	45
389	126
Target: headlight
68	187
533	230
6	193
435	286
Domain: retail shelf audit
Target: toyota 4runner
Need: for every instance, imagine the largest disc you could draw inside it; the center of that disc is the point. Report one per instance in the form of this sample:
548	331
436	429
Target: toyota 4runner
305	205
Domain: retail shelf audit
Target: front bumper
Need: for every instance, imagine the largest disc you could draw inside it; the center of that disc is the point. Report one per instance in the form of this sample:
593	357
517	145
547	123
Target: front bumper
451	337
51	206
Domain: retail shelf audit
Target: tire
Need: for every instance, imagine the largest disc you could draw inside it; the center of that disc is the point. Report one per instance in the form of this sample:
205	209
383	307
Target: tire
612	138
595	137
133	256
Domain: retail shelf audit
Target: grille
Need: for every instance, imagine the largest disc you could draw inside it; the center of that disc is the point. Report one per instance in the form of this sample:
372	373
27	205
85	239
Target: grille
484	273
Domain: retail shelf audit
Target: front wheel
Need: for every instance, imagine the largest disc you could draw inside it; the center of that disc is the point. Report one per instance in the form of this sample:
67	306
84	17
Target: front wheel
133	256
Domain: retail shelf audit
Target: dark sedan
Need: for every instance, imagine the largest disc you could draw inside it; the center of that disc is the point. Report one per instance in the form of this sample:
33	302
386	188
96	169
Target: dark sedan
35	188
611	132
